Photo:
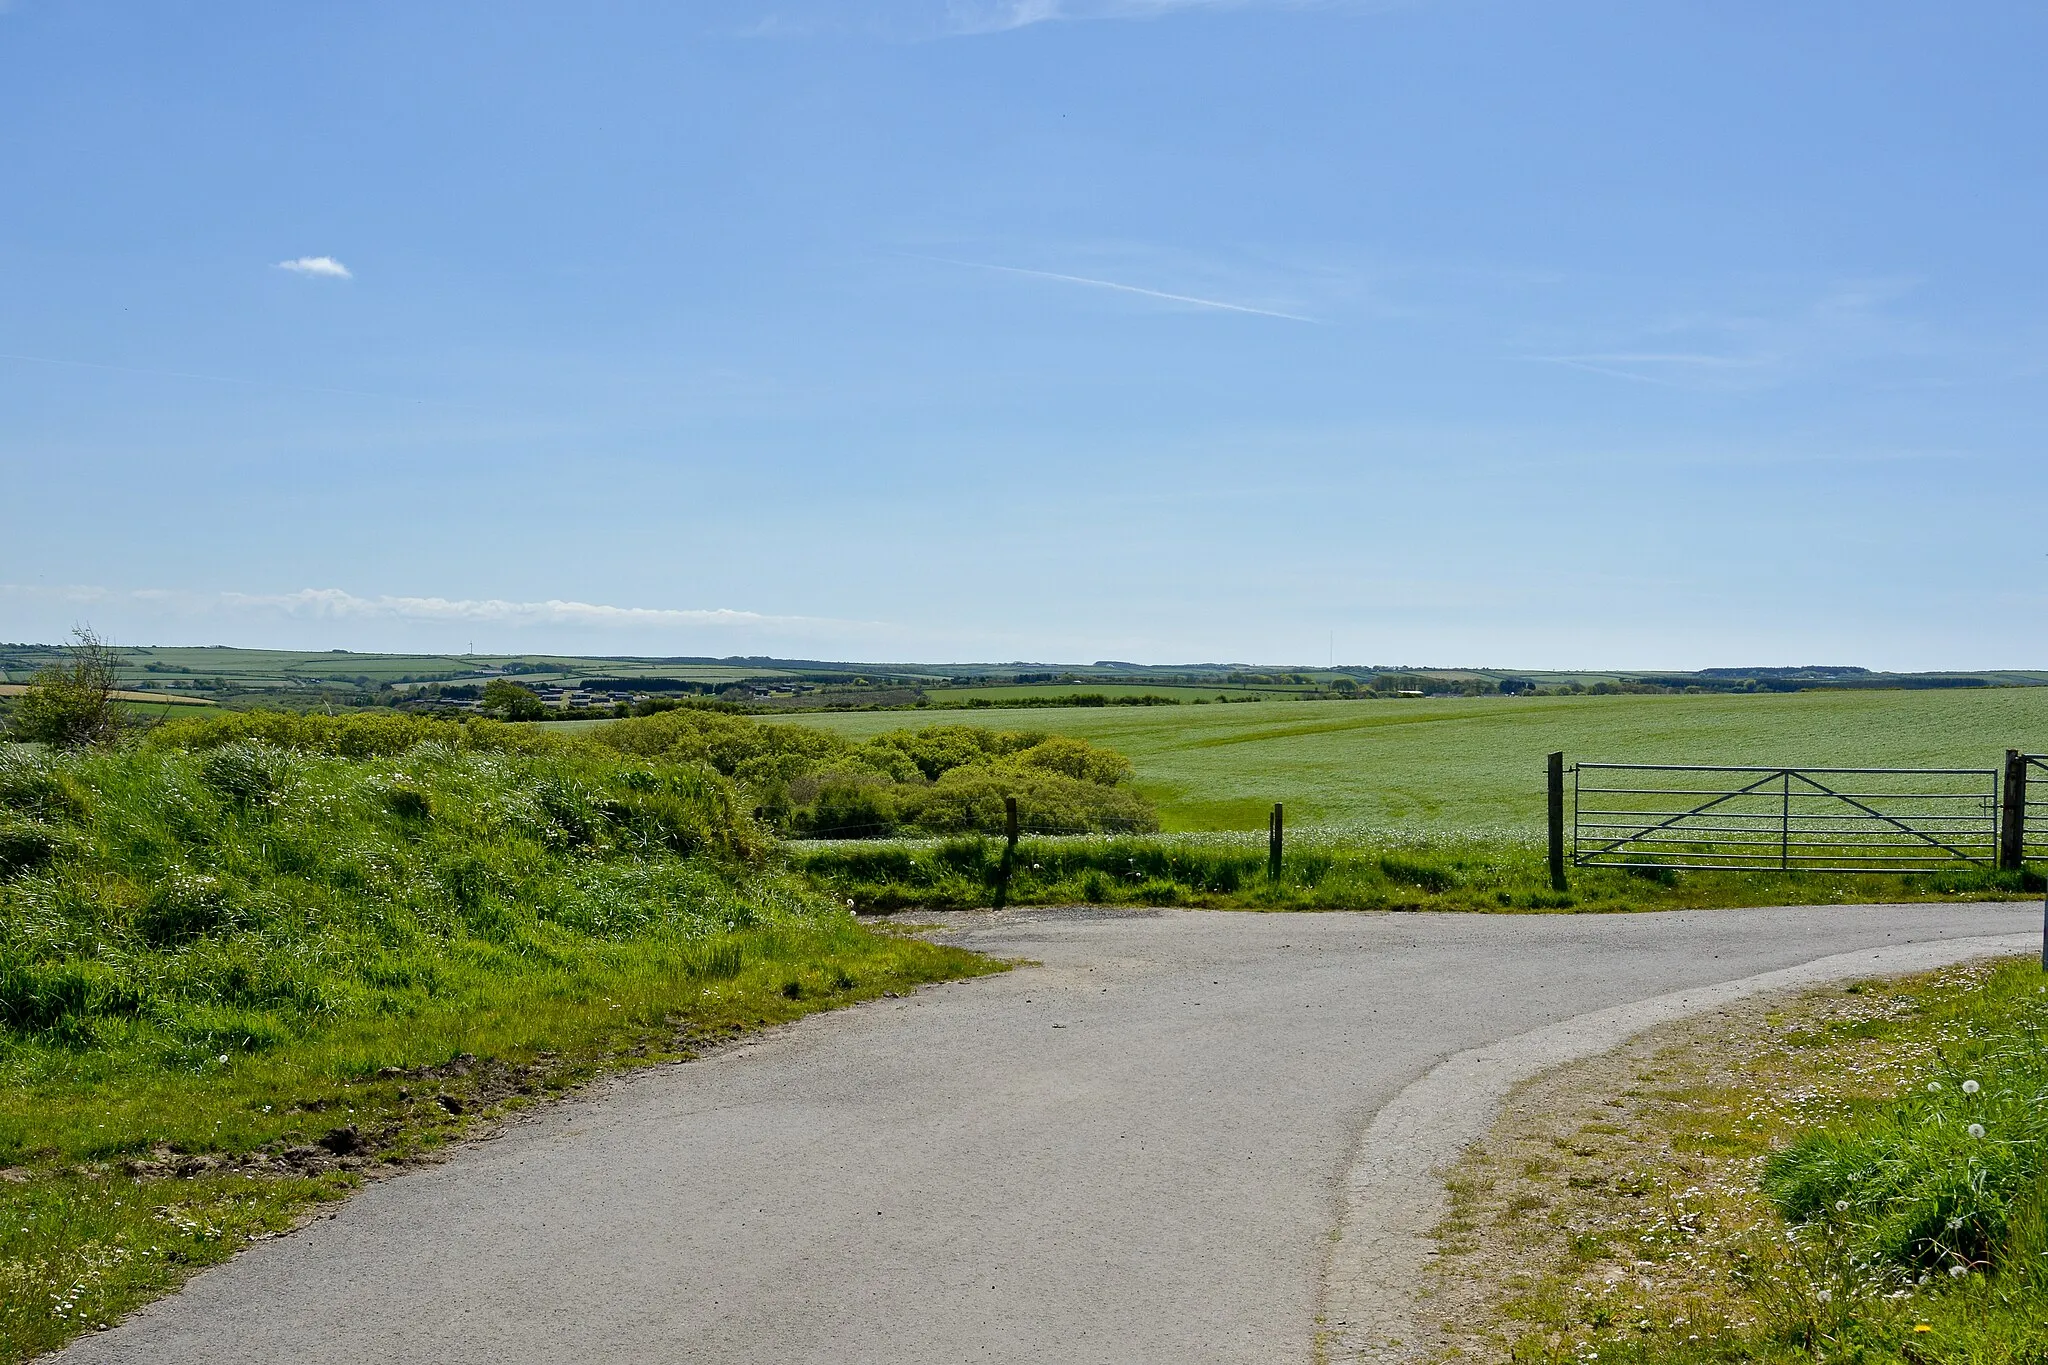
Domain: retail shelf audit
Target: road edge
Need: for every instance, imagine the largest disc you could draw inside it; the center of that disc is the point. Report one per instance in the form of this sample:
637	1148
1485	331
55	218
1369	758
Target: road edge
1393	1192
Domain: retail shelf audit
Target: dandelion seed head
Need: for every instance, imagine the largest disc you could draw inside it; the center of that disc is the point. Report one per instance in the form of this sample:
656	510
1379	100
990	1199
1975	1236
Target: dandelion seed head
1976	1130
1956	1272
1934	1087
1971	1087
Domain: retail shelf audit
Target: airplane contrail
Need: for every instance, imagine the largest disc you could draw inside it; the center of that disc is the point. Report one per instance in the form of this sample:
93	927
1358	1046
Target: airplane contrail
1125	288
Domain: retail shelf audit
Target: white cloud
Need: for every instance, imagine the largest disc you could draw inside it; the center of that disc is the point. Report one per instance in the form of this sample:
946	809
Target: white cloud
920	20
325	267
997	16
339	603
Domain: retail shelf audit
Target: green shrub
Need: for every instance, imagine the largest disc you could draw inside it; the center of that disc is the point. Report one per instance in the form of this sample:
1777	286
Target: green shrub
971	799
941	779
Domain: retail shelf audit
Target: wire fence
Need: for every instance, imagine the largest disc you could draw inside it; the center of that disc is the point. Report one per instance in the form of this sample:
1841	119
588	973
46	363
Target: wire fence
1027	827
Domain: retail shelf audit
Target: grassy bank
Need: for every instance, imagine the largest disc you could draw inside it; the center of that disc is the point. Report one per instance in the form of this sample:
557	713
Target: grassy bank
1854	1175
247	963
1226	871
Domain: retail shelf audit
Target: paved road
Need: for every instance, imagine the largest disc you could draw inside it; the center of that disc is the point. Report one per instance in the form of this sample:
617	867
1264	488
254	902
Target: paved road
1136	1151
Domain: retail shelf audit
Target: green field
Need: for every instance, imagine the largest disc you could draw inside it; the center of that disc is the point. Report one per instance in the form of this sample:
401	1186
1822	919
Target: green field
1474	767
1208	692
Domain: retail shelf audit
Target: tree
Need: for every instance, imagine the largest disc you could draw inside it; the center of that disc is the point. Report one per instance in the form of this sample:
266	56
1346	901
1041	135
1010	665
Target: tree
507	699
71	705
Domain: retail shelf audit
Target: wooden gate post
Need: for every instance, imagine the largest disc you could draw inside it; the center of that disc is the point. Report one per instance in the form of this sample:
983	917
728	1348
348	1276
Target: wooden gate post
1009	850
1275	835
1557	822
2012	824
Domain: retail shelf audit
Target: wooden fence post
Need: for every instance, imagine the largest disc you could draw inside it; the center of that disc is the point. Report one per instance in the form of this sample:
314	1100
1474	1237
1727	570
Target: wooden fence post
1557	882
1275	833
2012	824
1009	851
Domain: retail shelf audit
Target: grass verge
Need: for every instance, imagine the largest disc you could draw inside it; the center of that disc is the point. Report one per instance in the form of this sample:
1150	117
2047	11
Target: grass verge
1230	872
122	1179
1848	1175
240	973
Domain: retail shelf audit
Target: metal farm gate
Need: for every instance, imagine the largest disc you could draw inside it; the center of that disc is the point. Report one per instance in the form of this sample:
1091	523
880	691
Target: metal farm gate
1746	819
2026	804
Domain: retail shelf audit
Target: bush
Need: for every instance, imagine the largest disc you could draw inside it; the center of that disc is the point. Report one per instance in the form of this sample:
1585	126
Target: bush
71	705
971	800
941	779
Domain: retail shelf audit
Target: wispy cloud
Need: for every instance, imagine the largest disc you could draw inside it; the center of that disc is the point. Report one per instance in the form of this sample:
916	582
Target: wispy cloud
997	16
929	19
338	604
322	267
1770	342
1650	367
1124	288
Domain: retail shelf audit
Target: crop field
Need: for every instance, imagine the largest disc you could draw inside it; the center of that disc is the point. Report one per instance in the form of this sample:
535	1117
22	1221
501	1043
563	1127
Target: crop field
942	696
1473	767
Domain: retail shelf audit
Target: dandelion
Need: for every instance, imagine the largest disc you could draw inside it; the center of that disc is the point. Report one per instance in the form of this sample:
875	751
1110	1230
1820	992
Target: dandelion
1934	1087
1954	1224
223	1059
1971	1087
1826	1296
1956	1272
1976	1130
1841	1206
1922	1327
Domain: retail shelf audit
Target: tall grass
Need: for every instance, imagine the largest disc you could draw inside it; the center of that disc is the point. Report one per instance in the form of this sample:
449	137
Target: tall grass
1387	872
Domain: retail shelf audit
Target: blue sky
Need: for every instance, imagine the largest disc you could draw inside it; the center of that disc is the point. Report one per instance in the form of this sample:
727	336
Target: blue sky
1633	334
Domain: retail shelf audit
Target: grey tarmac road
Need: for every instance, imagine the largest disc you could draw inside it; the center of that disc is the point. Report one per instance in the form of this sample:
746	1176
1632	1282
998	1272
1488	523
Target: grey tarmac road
1137	1150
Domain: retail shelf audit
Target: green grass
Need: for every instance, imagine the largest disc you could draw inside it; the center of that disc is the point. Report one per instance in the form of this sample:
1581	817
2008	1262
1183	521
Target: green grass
1791	1179
1473	768
1231	872
1899	1236
252	958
